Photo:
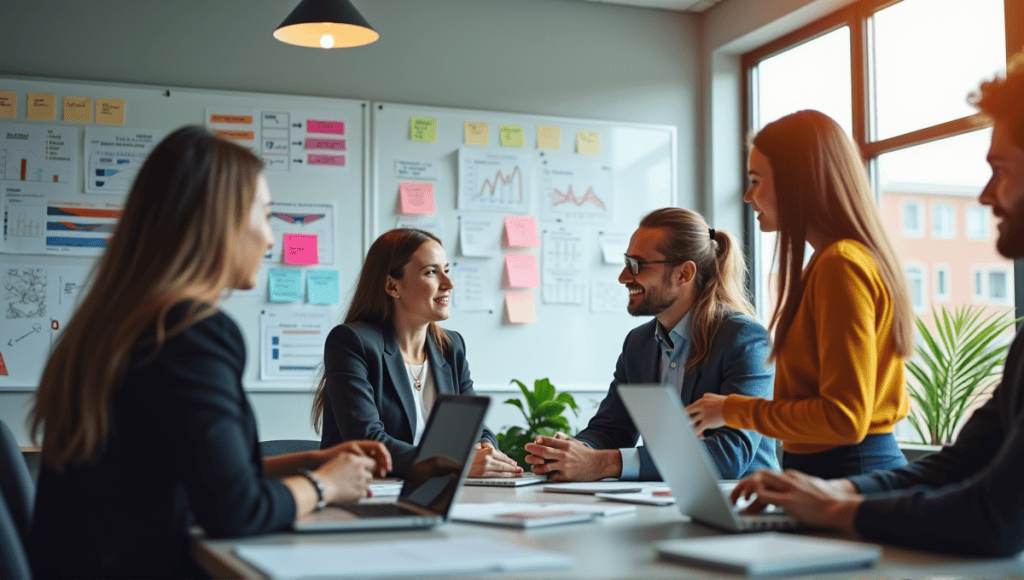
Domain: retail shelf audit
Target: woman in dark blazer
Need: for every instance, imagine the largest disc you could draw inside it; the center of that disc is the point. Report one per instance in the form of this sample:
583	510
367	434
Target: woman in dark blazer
384	366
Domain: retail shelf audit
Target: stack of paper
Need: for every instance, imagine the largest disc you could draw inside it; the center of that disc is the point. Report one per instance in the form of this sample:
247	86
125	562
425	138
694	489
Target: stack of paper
532	515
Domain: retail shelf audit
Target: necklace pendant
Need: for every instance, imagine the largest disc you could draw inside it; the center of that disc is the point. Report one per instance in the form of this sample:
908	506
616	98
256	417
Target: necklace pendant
416	383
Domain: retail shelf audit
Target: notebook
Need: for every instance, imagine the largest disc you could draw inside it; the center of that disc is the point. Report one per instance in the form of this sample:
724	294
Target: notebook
594	487
534	515
771	554
684	463
525	479
432	482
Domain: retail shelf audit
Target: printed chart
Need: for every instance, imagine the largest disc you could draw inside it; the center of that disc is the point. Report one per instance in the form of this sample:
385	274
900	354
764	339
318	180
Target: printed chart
115	156
37	221
303	218
564	281
494	181
293	342
576	193
41	153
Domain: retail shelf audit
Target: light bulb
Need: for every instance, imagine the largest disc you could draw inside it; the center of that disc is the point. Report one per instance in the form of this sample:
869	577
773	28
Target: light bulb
327	41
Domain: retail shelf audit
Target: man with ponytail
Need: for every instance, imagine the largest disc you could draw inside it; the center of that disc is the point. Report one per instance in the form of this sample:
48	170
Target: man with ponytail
703	339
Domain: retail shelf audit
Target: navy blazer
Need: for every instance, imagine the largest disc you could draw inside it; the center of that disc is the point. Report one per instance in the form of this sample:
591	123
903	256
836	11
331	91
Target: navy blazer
368	393
736	365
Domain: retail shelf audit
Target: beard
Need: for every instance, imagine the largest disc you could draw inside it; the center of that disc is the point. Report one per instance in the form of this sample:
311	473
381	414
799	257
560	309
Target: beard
656	300
1011	235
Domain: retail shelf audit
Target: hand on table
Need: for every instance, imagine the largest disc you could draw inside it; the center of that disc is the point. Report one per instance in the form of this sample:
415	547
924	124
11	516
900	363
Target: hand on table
346	477
814	501
490	462
567	459
706	413
374	450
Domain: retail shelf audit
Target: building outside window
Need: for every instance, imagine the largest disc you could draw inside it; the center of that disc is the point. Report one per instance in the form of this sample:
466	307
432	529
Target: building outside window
915	282
943	225
978	218
913	221
942	289
998	284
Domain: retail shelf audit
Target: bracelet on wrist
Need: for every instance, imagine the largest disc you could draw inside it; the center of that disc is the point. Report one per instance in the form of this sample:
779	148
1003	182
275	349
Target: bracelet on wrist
321	492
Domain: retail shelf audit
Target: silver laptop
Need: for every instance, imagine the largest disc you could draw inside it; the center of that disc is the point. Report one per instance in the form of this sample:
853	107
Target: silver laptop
432	482
525	479
684	462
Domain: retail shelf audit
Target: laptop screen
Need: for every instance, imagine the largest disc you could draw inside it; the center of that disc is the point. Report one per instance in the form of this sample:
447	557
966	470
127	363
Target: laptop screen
447	444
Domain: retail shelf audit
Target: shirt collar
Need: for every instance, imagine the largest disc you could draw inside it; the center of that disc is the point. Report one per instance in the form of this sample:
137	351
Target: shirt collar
677	335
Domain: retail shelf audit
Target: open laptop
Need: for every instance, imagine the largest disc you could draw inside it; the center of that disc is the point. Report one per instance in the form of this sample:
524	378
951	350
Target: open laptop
524	479
432	482
684	462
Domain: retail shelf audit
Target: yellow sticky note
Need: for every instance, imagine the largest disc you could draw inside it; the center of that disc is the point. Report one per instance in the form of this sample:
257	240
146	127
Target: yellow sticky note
477	133
521	309
41	107
512	136
110	111
78	109
423	129
549	137
588	142
8	104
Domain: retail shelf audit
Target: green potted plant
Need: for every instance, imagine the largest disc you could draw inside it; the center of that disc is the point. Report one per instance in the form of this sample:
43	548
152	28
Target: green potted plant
543	413
954	367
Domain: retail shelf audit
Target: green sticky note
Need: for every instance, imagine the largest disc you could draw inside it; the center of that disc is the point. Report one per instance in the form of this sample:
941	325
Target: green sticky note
322	287
285	284
423	129
512	136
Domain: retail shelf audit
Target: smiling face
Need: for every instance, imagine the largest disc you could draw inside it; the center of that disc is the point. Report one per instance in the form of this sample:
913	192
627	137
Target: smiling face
761	195
422	294
254	239
651	291
1005	190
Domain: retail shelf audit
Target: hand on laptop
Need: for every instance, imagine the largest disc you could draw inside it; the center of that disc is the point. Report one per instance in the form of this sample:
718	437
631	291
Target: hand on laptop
568	459
706	413
490	462
346	477
814	501
374	450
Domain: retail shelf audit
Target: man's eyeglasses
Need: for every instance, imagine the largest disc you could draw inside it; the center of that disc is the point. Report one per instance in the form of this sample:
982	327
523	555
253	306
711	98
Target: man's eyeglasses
636	265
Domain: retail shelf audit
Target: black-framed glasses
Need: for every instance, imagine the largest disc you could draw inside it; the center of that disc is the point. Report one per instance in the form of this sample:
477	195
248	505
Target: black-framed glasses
635	265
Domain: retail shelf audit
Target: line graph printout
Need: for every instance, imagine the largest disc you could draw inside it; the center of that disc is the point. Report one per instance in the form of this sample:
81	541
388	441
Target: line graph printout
114	156
563	277
43	153
302	218
494	180
576	193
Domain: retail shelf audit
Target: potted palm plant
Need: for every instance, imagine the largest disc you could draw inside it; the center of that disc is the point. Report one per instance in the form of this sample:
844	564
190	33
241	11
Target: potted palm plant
544	416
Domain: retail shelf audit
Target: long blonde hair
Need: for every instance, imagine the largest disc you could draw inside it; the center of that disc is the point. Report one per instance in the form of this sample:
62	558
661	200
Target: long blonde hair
821	184
720	273
175	241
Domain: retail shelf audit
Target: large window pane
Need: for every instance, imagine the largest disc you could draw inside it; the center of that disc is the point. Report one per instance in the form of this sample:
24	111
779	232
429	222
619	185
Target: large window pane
929	54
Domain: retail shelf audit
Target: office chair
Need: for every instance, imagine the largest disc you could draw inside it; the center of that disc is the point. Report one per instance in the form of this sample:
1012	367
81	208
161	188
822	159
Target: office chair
283	446
17	498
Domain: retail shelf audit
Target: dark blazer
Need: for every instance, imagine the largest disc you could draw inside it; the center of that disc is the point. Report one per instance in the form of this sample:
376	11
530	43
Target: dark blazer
736	365
369	395
182	450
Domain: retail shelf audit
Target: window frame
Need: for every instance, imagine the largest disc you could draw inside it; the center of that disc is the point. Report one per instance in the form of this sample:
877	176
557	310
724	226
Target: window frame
942	268
922	277
985	221
917	232
935	233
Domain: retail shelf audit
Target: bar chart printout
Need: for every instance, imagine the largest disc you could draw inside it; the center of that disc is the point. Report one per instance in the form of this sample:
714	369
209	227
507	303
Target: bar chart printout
40	153
114	157
494	180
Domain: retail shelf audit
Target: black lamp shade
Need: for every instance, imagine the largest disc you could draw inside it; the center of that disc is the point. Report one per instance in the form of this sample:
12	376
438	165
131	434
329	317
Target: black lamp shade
313	19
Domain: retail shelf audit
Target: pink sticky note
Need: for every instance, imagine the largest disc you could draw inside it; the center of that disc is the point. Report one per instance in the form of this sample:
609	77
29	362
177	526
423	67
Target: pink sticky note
521	309
330	127
417	197
301	249
321	143
321	159
522	231
522	270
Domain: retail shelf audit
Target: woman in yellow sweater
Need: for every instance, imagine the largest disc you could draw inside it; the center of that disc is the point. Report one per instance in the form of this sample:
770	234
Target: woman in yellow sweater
843	324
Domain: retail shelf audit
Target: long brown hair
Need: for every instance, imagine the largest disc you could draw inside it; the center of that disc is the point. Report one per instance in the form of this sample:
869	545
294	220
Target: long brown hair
720	273
176	240
388	256
821	184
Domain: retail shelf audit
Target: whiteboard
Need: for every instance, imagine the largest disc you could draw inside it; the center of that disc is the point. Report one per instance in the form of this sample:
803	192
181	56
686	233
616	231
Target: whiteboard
633	171
282	127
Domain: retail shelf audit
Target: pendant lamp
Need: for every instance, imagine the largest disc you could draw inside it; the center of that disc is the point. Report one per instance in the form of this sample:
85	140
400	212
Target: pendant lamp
326	24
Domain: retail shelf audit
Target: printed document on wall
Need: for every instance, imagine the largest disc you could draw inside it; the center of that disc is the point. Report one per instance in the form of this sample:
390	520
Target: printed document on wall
576	193
563	279
40	153
292	342
302	218
491	180
38	220
114	156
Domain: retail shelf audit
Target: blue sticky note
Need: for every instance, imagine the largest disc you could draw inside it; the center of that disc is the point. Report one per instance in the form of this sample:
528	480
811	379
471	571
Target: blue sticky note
322	287
285	284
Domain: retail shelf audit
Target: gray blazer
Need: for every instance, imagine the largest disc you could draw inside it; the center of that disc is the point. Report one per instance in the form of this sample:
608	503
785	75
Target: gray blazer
368	394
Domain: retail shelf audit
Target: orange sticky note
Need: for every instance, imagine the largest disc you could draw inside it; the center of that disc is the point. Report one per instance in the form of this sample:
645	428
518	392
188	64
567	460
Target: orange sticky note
521	231
417	198
110	111
301	249
522	270
477	133
588	142
78	109
521	309
8	104
549	137
41	107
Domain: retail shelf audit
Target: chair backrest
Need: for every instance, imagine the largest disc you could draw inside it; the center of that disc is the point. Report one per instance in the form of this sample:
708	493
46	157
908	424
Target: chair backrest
16	483
13	561
283	446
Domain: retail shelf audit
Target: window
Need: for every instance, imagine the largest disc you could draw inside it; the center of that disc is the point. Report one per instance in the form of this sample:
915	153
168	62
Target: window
942	221
912	220
942	290
978	284
915	282
977	222
997	286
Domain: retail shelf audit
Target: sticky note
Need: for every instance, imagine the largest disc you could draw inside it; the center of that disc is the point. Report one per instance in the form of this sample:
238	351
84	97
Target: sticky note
322	287
326	127
588	142
8	104
417	197
300	249
512	136
477	133
285	284
323	159
110	111
521	231
521	309
78	109
235	135
423	129
321	143
41	107
522	270
549	137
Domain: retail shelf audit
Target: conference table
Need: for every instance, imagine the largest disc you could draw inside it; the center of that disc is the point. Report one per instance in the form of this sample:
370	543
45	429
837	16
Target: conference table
622	546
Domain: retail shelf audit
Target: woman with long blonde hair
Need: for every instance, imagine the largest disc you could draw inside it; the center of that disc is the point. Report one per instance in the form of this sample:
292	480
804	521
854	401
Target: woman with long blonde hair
146	429
843	323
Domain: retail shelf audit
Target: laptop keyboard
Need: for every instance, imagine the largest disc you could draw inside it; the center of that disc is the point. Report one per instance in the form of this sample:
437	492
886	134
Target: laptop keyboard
378	510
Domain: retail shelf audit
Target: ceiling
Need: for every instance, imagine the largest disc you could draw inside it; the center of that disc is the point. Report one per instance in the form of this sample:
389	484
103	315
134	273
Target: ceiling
680	5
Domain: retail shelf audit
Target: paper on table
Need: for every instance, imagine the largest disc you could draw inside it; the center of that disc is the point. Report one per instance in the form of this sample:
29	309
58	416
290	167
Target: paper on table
522	270
417	198
389	487
480	236
521	231
479	510
593	487
301	249
521	309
